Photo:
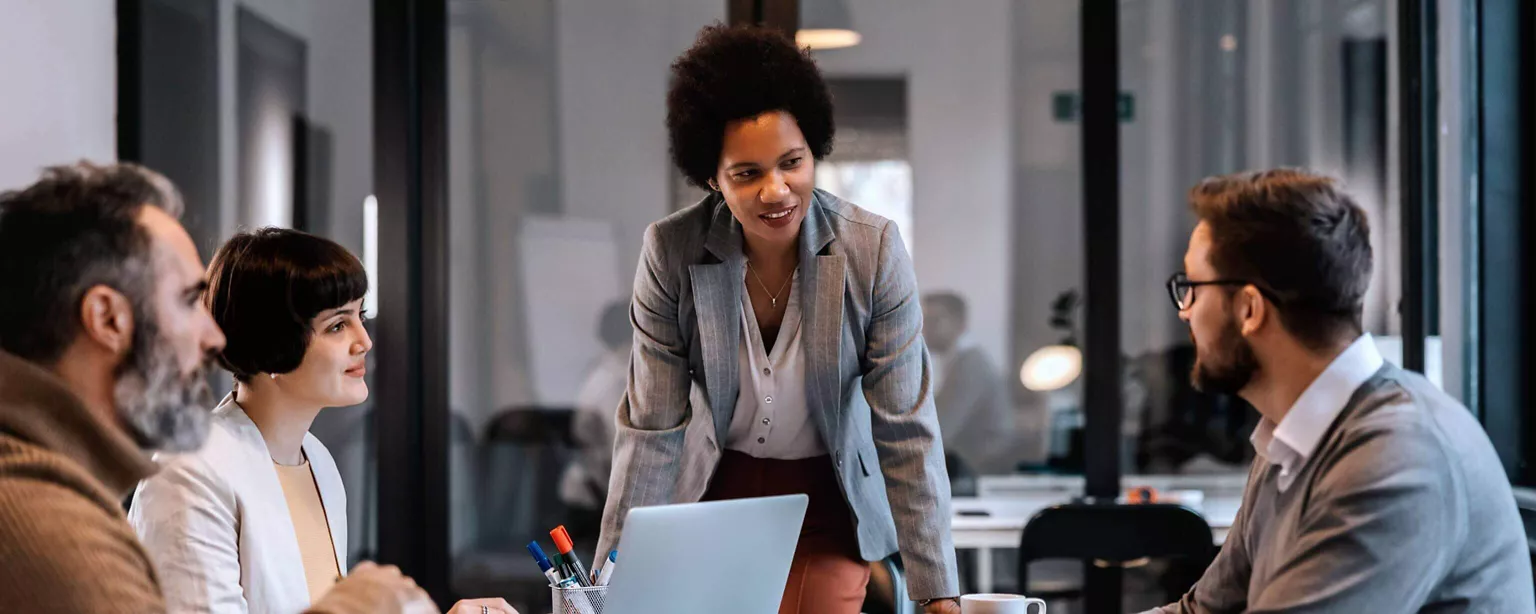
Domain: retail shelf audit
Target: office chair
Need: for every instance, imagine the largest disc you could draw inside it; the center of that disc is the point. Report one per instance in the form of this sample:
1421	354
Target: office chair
1108	537
1182	423
536	425
962	483
521	456
962	478
524	452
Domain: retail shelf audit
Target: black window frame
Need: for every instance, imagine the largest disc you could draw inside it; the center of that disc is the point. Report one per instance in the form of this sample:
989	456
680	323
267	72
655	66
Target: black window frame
1499	159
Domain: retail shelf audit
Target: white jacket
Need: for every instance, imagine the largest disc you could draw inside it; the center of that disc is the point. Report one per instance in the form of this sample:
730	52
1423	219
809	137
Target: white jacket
216	522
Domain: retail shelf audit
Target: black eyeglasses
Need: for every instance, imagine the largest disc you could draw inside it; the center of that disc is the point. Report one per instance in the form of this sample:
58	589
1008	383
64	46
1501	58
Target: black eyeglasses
1182	290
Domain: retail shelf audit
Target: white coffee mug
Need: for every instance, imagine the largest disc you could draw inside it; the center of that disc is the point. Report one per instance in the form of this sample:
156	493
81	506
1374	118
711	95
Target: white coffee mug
999	603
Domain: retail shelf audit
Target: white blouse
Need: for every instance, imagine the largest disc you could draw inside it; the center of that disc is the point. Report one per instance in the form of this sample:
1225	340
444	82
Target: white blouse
772	419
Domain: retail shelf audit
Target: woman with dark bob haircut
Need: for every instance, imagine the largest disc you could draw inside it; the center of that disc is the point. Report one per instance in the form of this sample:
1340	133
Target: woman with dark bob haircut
256	520
777	342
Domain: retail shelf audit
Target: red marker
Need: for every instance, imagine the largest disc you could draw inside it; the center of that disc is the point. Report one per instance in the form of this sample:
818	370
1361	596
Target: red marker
563	545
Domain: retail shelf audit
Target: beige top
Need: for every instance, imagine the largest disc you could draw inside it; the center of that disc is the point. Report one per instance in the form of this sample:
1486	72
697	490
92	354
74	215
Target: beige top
309	525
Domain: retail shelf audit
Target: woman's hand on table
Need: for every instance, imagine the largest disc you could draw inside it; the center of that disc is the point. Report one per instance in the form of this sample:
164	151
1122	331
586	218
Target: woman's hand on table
492	606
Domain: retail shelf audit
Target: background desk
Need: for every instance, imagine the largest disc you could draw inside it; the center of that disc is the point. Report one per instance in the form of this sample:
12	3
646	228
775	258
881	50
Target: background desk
996	519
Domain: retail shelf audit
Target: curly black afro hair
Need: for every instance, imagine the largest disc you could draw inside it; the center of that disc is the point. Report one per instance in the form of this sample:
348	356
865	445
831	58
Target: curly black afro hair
737	72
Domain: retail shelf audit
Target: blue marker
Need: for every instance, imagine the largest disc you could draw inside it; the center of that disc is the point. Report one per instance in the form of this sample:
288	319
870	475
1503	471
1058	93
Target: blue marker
544	564
613	558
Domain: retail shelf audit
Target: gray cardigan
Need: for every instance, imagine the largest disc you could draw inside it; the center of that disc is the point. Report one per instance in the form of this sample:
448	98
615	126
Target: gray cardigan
1404	507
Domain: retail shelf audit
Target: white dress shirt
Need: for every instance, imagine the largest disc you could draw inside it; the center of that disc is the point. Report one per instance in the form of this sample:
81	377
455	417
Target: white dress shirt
941	361
772	419
1290	443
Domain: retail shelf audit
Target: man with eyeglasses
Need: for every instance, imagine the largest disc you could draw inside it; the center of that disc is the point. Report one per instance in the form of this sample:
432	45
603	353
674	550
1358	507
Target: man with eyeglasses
1372	491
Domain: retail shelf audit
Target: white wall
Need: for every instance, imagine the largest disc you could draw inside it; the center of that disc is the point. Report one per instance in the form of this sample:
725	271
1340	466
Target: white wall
1154	219
502	164
1454	213
1047	241
286	14
60	76
341	100
613	62
956	58
339	96
556	109
61	105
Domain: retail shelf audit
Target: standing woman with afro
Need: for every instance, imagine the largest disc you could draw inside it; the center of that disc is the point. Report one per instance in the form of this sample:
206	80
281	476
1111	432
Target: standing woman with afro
777	339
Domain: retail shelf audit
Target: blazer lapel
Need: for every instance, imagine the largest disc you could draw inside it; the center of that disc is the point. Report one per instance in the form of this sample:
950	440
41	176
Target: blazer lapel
821	300
717	299
333	497
270	503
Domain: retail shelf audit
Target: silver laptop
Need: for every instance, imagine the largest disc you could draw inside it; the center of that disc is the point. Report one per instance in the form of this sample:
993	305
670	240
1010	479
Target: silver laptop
706	558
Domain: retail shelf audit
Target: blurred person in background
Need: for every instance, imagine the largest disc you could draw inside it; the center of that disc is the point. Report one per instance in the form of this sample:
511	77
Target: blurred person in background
105	346
584	486
972	400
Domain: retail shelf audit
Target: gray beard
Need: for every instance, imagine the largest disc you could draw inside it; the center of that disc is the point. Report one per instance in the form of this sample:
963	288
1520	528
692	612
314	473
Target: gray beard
163	410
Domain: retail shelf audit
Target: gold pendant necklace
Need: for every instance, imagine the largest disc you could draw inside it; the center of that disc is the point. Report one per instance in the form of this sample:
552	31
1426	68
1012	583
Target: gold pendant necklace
773	297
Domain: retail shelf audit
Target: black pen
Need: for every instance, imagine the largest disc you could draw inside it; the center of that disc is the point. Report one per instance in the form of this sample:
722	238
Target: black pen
563	569
568	554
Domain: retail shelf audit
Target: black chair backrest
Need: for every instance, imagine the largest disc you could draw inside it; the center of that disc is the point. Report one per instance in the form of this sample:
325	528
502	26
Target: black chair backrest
962	479
524	454
531	426
1111	535
1115	533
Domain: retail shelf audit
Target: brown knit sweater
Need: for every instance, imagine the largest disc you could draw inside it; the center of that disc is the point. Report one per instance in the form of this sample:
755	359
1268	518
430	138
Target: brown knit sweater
65	545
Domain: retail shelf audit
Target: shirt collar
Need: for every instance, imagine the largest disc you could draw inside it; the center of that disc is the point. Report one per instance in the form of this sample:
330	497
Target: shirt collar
1314	411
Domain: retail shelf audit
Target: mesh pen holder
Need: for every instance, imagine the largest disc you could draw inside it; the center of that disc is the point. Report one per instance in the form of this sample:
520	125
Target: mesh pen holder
578	599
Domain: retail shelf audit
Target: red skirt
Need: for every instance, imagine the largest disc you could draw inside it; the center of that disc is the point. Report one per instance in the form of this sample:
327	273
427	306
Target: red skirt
827	576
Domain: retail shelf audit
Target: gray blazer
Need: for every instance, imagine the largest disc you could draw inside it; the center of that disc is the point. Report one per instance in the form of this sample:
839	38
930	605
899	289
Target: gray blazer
867	377
1403	507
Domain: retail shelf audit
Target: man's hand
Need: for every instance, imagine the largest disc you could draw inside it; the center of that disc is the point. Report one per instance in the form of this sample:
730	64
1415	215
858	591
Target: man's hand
372	589
943	606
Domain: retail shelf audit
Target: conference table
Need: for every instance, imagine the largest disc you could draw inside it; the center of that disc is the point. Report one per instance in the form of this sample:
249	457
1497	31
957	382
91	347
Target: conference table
995	518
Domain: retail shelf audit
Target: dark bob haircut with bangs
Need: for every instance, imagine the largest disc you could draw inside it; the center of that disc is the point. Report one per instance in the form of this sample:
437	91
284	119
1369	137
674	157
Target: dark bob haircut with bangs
264	289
